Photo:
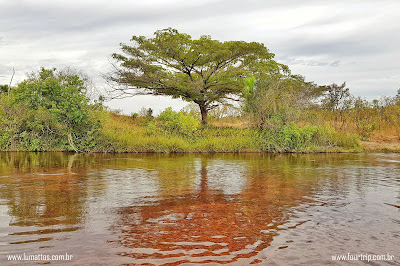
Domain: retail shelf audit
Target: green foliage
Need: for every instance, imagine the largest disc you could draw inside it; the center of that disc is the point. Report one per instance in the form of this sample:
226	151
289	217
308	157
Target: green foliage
336	97
123	135
275	101
22	128
151	129
4	89
63	94
177	122
248	93
48	111
134	115
291	138
203	71
364	129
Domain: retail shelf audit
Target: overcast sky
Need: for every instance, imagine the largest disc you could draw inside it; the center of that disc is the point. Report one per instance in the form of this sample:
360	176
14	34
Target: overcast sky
356	41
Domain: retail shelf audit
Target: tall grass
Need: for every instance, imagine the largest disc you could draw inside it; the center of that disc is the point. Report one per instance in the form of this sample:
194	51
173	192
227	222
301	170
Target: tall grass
124	134
366	119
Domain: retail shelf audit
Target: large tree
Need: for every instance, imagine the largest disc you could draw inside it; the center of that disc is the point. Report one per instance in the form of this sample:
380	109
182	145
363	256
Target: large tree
204	71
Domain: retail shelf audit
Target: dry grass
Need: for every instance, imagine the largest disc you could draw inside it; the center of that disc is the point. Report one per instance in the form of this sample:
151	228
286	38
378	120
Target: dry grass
378	128
383	141
122	133
235	122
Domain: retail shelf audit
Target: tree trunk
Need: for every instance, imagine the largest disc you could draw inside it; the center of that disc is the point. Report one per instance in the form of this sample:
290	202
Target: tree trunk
71	142
204	114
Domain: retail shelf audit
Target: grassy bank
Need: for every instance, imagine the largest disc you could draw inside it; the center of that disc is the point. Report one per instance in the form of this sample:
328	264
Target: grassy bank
171	132
121	133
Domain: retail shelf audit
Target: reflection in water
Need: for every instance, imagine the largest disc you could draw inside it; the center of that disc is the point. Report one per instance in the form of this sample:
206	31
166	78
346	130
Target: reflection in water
208	225
44	195
40	194
177	209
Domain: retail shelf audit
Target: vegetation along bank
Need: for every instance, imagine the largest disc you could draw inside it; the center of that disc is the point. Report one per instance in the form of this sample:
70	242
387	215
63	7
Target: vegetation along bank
240	100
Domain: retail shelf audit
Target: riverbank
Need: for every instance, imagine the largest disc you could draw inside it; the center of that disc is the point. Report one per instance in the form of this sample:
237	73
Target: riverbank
126	134
178	133
382	143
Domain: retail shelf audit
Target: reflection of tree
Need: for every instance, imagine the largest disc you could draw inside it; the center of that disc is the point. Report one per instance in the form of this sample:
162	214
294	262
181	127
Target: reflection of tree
207	225
43	189
203	194
175	173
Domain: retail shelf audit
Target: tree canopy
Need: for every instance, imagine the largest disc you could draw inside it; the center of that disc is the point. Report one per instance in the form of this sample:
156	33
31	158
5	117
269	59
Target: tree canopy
4	89
204	71
276	101
61	94
336	96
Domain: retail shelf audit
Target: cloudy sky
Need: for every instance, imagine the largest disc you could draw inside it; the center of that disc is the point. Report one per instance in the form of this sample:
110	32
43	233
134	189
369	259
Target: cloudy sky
356	41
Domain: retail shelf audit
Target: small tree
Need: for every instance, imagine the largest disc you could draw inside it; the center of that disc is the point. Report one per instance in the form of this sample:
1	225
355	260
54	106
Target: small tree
204	71
146	112
397	97
336	96
3	89
276	101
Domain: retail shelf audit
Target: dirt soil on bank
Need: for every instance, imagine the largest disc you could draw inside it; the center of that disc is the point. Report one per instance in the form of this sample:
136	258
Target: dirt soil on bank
382	143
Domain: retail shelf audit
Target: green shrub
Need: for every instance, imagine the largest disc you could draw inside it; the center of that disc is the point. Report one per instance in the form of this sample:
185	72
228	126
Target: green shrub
58	112
364	129
177	122
292	138
151	129
134	115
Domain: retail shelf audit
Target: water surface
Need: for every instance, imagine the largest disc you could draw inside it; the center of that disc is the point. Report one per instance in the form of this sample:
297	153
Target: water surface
153	209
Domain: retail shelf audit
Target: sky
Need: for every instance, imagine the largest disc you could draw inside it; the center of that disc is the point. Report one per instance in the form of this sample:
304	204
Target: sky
352	41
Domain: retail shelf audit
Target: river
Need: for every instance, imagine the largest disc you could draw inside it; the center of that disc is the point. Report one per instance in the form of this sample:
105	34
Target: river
188	209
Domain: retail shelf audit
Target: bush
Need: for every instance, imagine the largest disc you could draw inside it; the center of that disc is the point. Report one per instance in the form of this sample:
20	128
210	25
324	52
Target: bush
151	129
292	138
177	122
59	99
134	116
364	129
49	111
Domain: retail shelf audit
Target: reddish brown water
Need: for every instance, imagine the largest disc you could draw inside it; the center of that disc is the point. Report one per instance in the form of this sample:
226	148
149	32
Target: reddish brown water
194	209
